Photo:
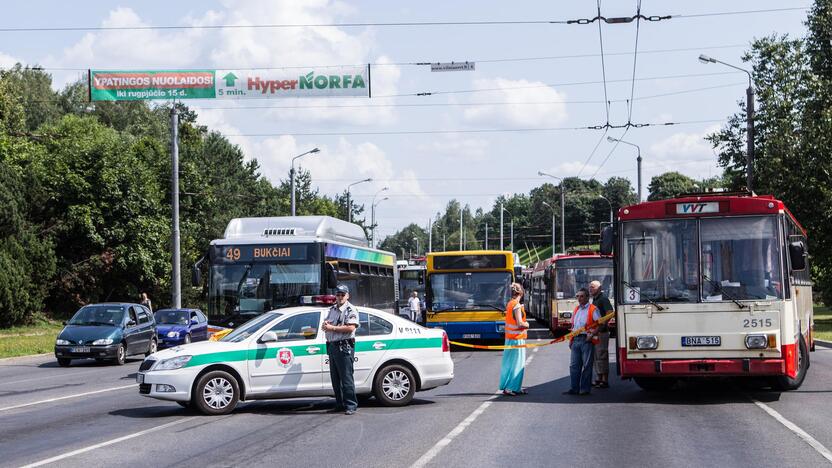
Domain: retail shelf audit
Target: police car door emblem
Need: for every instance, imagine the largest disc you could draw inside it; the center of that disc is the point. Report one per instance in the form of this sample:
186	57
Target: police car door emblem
285	357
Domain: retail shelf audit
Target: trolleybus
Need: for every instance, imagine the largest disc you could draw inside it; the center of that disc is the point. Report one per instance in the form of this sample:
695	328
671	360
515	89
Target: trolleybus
555	281
467	292
262	264
712	285
411	278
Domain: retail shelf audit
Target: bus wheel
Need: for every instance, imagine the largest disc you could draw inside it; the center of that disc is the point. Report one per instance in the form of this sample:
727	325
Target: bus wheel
655	384
786	383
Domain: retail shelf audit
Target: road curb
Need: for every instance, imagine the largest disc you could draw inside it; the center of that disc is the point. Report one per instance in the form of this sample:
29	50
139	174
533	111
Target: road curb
50	354
825	344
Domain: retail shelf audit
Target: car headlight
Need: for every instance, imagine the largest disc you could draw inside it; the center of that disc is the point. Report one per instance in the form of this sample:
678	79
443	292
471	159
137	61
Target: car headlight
103	341
61	342
173	363
756	341
647	342
173	334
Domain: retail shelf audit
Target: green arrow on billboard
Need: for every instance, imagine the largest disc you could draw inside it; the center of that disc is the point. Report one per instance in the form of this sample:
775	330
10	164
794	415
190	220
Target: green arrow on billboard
230	78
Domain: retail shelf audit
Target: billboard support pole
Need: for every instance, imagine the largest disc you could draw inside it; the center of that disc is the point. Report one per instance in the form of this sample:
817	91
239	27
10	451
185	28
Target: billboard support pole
176	279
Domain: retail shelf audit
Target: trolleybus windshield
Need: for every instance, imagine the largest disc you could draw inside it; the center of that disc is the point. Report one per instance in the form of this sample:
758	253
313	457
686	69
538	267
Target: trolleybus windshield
574	274
470	291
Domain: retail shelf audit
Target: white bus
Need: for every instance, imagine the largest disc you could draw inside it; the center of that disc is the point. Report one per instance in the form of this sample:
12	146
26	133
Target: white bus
711	285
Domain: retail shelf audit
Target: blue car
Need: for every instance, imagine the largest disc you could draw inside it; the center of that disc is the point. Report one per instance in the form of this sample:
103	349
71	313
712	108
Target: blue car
180	326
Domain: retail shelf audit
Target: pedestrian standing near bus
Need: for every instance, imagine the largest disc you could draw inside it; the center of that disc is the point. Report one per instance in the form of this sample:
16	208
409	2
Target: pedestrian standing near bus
145	301
514	360
415	307
339	328
602	349
582	344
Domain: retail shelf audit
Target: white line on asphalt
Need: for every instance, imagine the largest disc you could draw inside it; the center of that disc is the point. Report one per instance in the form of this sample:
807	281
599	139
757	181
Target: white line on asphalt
77	395
823	451
104	444
431	454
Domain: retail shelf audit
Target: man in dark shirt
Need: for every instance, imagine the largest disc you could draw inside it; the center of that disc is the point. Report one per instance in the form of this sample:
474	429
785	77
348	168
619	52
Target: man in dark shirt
602	352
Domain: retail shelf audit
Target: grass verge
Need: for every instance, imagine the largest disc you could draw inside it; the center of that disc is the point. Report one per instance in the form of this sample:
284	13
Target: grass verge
35	339
823	323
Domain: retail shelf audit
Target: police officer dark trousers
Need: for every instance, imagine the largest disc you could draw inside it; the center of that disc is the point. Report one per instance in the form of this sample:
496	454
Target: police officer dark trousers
339	327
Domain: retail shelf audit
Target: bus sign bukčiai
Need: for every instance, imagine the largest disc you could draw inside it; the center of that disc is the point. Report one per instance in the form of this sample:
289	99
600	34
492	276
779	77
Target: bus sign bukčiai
712	285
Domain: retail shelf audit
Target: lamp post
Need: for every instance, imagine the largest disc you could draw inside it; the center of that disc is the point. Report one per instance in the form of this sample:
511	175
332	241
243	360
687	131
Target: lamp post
638	160
501	226
417	245
292	175
460	227
373	219
610	203
553	226
749	122
562	209
349	202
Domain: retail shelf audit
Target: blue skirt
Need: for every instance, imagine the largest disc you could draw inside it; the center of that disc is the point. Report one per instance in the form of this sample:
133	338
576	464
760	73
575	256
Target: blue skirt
513	367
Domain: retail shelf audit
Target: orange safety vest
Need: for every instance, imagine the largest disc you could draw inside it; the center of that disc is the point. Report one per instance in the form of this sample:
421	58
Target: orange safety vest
590	321
513	330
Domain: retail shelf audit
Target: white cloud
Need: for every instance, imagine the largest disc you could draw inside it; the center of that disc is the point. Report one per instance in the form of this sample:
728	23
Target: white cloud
538	105
7	61
687	153
471	149
571	169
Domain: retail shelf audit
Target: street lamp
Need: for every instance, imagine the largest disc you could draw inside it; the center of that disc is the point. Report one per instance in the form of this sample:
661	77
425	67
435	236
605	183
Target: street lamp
638	160
749	122
292	175
553	226
610	203
373	218
417	245
349	203
562	209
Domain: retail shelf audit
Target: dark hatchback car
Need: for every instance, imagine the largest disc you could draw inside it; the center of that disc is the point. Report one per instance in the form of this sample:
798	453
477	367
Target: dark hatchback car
107	332
180	326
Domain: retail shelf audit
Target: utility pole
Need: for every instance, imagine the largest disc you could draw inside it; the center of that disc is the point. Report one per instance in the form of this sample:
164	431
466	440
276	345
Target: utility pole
176	281
512	234
430	235
460	227
501	226
486	236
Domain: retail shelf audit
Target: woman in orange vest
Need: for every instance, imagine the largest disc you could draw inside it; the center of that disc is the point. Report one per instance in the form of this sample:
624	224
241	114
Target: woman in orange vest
514	360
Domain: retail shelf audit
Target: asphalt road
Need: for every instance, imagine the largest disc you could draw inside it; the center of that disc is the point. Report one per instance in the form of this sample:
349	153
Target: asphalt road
92	415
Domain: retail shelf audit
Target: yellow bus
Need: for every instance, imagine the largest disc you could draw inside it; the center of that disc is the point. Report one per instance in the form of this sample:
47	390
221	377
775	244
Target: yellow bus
467	292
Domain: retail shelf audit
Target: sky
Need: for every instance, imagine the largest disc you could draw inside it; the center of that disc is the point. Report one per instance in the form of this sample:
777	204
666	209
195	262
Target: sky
515	115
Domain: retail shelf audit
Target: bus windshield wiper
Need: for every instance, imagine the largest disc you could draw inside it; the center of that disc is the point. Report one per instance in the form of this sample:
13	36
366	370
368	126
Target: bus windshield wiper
644	297
721	290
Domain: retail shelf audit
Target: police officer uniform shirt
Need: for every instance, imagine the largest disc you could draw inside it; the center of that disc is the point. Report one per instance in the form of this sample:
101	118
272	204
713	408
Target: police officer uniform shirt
344	315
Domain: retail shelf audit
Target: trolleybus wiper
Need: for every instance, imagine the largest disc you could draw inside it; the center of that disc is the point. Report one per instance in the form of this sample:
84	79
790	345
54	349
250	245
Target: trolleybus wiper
644	297
721	290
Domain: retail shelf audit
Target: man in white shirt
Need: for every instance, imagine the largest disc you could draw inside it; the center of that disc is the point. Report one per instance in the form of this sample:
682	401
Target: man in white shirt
582	344
415	307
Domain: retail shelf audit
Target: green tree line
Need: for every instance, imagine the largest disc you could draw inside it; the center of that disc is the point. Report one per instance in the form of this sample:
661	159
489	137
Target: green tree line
85	197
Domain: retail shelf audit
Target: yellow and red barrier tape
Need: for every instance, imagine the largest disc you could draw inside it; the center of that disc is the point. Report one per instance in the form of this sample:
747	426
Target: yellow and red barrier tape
568	336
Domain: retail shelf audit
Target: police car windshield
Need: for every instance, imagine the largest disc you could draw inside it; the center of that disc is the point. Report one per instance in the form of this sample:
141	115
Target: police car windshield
252	326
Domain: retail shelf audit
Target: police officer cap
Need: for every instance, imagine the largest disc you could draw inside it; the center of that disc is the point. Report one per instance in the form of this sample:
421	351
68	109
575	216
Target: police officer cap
342	288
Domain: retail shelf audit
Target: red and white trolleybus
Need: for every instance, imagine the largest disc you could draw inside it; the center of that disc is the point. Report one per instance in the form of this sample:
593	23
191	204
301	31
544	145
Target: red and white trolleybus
711	285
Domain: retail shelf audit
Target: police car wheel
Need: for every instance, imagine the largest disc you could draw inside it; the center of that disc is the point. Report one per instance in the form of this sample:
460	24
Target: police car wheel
216	392
64	362
394	385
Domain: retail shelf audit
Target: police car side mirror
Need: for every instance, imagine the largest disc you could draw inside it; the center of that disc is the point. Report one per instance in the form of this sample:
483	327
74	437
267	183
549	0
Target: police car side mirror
267	337
607	240
196	276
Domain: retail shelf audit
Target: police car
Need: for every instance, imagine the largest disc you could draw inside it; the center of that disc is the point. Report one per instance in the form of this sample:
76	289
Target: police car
282	354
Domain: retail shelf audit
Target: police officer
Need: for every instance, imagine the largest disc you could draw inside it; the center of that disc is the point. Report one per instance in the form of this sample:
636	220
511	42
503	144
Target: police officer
339	327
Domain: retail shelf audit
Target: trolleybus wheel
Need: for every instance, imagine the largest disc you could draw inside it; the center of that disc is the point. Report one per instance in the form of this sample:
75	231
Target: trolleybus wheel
786	383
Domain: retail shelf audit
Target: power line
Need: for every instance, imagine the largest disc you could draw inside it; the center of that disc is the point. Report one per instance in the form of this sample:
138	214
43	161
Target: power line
635	57
603	64
384	24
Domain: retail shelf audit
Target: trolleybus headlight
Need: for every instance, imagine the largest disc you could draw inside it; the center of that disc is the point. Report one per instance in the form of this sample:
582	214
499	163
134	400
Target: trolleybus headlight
647	342
566	314
756	341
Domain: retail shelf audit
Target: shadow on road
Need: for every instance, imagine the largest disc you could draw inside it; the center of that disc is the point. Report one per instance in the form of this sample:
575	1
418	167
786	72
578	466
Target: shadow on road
86	363
150	412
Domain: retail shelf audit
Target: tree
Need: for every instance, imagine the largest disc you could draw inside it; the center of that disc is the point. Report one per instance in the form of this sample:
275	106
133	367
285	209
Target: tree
669	185
403	242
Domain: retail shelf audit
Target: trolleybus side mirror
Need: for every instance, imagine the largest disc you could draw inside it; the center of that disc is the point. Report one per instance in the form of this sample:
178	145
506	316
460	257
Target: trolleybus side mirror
196	276
797	255
607	240
331	277
518	273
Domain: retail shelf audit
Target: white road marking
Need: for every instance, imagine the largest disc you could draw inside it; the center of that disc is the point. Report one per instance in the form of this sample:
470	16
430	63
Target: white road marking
823	451
77	395
104	444
460	428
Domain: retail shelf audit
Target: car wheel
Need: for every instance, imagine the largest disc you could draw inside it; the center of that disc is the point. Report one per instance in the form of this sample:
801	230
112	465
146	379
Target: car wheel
786	383
394	385
187	338
64	362
121	354
152	348
216	393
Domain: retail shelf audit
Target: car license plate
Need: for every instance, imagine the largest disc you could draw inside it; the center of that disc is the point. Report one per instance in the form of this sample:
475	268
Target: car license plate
80	349
471	335
701	341
140	378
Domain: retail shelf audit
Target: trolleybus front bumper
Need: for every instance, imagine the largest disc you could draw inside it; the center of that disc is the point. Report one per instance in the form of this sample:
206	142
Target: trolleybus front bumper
726	367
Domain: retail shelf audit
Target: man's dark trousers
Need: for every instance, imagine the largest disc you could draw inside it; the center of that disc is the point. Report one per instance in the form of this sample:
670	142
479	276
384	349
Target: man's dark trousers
341	363
580	364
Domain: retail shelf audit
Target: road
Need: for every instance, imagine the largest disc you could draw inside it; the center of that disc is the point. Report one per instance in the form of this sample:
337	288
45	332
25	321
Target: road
92	414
